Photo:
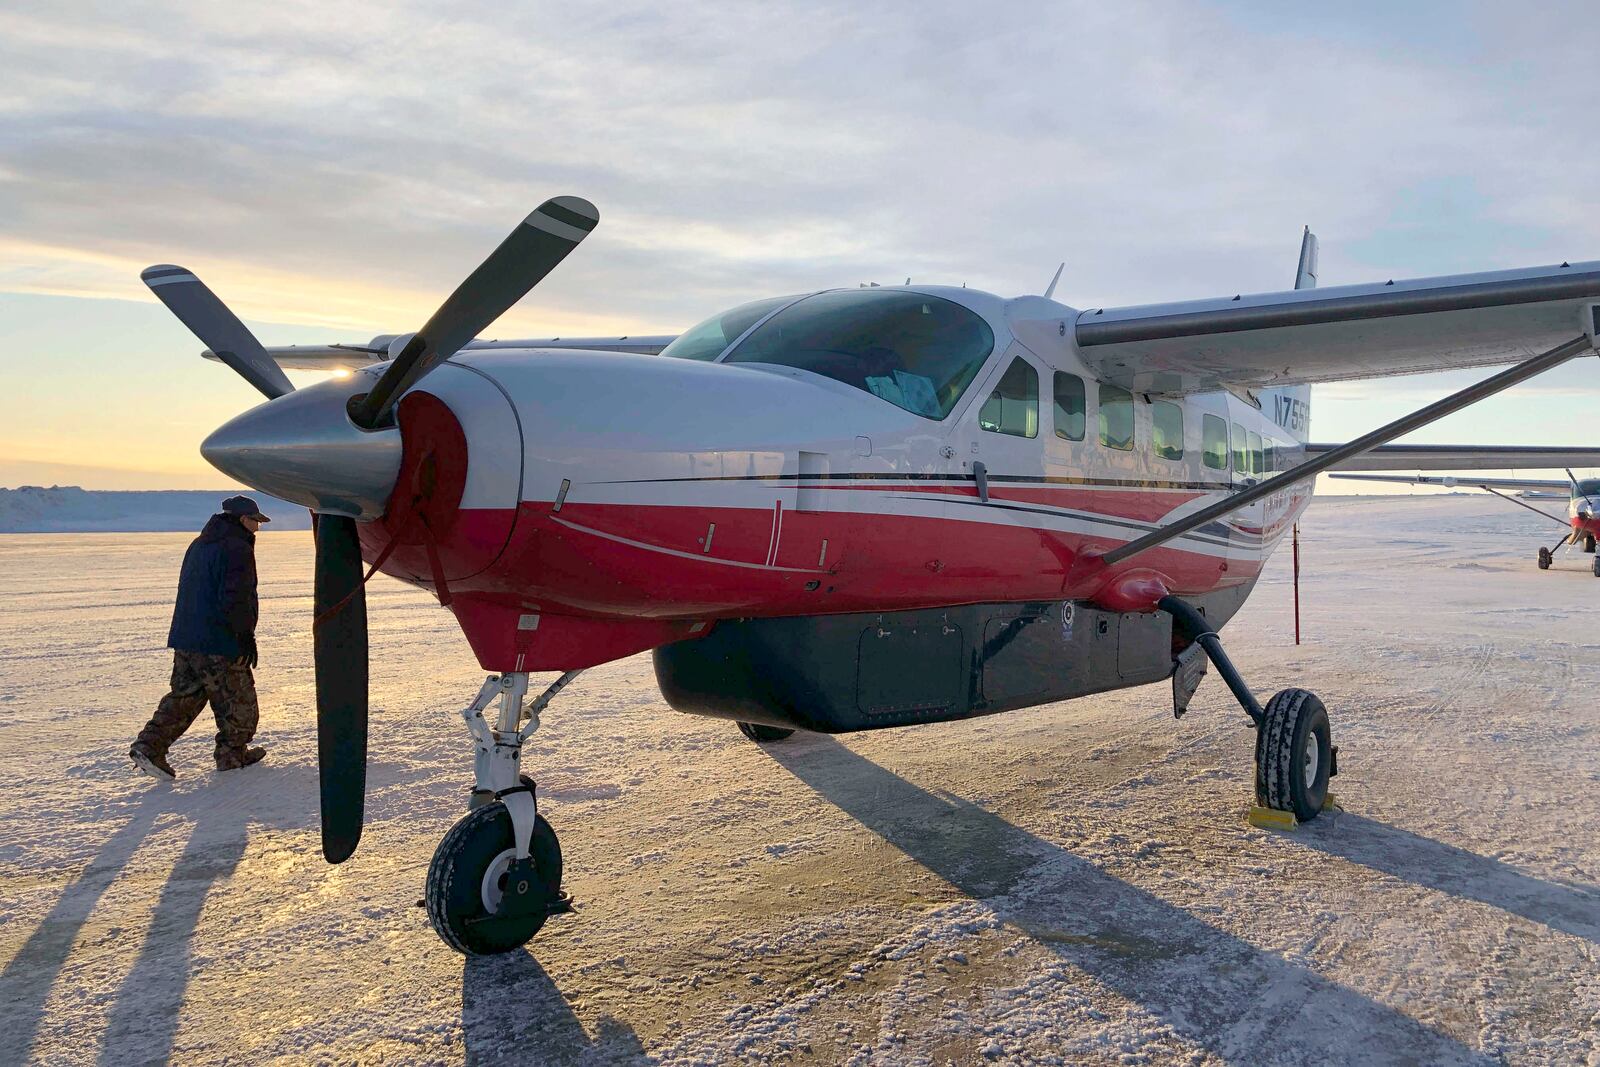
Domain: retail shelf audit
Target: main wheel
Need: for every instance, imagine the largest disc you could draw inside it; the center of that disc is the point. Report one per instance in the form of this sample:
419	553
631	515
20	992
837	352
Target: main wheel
1588	542
756	731
1294	754
1544	558
467	879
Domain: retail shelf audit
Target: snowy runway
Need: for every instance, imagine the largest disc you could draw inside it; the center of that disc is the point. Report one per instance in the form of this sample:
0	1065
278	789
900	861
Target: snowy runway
1071	883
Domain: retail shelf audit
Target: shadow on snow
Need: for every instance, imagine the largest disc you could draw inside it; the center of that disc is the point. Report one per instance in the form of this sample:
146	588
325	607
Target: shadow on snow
513	1012
1208	986
145	1014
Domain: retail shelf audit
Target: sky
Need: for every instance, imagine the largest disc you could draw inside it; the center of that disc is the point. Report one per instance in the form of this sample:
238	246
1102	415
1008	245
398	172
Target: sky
332	170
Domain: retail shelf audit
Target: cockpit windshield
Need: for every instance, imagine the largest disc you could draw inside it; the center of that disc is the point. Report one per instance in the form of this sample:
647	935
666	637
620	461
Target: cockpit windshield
708	340
1586	487
917	352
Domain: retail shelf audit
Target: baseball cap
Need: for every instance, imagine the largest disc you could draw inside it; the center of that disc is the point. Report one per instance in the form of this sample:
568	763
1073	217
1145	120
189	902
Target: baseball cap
243	507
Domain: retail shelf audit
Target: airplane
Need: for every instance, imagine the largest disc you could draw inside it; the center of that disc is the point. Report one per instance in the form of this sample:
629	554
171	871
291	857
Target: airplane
1583	504
839	510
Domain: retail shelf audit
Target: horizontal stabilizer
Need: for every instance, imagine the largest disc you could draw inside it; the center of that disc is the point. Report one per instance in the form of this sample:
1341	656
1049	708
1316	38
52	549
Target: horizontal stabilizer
1449	482
350	357
1463	458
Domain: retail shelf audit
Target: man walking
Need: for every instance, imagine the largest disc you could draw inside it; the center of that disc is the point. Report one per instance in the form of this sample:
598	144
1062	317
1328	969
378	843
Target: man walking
213	638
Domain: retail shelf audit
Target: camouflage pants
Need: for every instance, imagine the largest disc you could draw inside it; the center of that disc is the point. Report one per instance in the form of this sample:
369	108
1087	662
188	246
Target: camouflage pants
196	679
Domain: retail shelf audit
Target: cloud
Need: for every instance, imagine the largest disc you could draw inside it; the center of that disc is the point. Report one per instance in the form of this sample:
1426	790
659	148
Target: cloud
372	153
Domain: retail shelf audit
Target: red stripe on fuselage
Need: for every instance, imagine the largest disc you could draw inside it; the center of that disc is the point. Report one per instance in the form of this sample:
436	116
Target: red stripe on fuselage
633	561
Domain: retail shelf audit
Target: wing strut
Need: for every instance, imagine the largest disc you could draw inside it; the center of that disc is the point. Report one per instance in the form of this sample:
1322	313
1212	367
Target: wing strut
1530	507
1528	368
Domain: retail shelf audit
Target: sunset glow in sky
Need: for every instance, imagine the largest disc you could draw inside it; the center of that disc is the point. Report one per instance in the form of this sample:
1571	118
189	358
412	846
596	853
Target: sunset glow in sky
332	170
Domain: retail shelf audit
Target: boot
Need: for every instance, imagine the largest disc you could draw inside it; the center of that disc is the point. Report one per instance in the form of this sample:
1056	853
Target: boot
231	759
151	762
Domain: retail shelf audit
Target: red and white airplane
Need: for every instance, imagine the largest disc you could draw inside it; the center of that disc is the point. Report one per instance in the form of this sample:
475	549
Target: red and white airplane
1583	504
832	511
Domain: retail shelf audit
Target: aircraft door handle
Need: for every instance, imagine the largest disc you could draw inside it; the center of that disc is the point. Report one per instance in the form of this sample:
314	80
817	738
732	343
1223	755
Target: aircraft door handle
980	474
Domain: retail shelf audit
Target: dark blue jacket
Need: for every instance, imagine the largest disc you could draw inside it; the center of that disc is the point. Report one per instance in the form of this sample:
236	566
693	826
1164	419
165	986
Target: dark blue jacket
216	591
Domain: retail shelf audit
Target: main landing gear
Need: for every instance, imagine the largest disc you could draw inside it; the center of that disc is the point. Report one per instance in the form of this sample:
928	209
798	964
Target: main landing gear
1295	753
496	876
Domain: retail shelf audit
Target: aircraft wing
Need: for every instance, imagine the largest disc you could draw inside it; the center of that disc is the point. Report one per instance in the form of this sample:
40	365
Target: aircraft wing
1352	331
1470	483
349	357
645	344
1464	457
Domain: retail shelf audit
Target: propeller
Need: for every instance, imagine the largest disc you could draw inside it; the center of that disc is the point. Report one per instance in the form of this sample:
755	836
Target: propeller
339	637
209	319
339	629
532	251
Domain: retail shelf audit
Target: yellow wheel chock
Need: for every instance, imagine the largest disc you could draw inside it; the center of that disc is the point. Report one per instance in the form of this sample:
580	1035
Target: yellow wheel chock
1273	819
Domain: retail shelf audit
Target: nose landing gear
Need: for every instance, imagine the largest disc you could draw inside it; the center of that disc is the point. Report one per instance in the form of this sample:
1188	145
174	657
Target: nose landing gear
496	876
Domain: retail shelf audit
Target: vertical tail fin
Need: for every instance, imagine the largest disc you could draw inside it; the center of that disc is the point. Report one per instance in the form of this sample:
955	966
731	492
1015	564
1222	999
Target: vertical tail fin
1305	276
1290	406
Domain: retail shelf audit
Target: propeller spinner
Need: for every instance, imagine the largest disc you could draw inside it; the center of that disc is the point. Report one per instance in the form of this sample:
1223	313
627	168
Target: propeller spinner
341	459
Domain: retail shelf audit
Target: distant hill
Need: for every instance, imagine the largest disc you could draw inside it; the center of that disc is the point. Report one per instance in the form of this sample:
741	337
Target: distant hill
69	509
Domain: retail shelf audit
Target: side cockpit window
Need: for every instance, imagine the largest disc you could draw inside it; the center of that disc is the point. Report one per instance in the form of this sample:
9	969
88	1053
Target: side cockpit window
1013	407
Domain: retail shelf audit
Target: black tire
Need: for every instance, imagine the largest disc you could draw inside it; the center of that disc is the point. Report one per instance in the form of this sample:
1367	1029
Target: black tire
1544	558
1294	726
1588	542
454	893
756	731
1597	566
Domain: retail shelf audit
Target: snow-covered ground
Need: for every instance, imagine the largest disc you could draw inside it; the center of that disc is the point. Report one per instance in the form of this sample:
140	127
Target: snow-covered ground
1066	884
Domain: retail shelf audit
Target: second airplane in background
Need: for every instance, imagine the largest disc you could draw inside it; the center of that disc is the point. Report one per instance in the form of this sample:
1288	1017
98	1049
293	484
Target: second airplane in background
1583	504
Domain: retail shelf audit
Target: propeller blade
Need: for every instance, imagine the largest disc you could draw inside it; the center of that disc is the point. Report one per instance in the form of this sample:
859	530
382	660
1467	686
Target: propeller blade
339	636
532	251
209	319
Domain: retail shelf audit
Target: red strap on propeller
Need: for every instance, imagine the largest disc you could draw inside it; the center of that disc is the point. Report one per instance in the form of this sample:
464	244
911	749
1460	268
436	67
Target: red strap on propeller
383	557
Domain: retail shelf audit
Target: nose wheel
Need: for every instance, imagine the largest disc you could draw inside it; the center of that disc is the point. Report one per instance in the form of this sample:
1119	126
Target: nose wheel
480	897
496	876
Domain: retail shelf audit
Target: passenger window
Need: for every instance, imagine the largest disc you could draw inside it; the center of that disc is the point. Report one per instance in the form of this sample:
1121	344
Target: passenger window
1241	451
1214	442
1071	408
1166	430
1271	454
1116	418
1013	407
1255	453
